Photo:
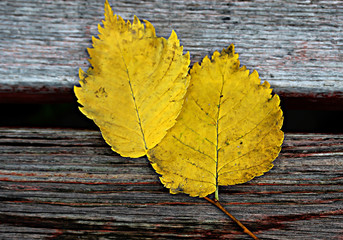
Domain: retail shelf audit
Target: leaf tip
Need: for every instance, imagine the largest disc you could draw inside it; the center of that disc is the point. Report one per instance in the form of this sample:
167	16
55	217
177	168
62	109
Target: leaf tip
149	28
76	91
94	40
231	49
108	11
136	20
82	75
230	52
107	4
254	74
188	57
215	55
100	28
265	83
206	60
120	20
173	36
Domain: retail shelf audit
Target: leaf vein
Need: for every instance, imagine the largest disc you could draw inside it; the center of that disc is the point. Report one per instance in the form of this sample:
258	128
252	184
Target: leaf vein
132	94
196	180
250	131
246	116
165	73
196	150
236	104
271	129
206	139
240	169
202	109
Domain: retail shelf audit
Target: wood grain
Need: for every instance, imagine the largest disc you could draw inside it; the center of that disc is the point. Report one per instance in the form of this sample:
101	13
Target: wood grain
295	45
68	184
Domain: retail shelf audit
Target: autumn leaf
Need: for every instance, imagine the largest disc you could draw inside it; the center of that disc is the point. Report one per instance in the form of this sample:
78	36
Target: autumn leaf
228	131
135	88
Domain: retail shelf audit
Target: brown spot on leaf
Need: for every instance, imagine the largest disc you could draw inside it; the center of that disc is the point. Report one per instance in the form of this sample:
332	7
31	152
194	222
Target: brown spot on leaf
101	92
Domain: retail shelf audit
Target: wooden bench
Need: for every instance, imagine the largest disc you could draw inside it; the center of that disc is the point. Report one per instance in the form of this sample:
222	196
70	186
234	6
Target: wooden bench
68	184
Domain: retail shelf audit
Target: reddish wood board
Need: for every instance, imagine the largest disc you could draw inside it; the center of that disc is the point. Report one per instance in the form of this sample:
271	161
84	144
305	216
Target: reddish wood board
69	184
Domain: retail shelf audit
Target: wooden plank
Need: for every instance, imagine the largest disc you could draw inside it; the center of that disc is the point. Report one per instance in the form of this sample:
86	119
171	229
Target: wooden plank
69	184
295	45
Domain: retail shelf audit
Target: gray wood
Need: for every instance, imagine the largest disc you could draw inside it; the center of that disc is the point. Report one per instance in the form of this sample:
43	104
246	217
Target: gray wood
68	184
295	45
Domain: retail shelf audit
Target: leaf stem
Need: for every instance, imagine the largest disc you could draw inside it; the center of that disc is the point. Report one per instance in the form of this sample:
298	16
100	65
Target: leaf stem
216	194
218	205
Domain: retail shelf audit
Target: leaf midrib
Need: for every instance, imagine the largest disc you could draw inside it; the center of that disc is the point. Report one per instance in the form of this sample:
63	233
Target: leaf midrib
217	129
133	95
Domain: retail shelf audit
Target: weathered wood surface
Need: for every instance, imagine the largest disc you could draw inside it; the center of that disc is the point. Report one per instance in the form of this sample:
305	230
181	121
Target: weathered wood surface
295	45
68	184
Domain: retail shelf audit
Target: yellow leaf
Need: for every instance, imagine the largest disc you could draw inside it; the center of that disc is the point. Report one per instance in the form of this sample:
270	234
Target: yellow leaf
227	133
135	88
